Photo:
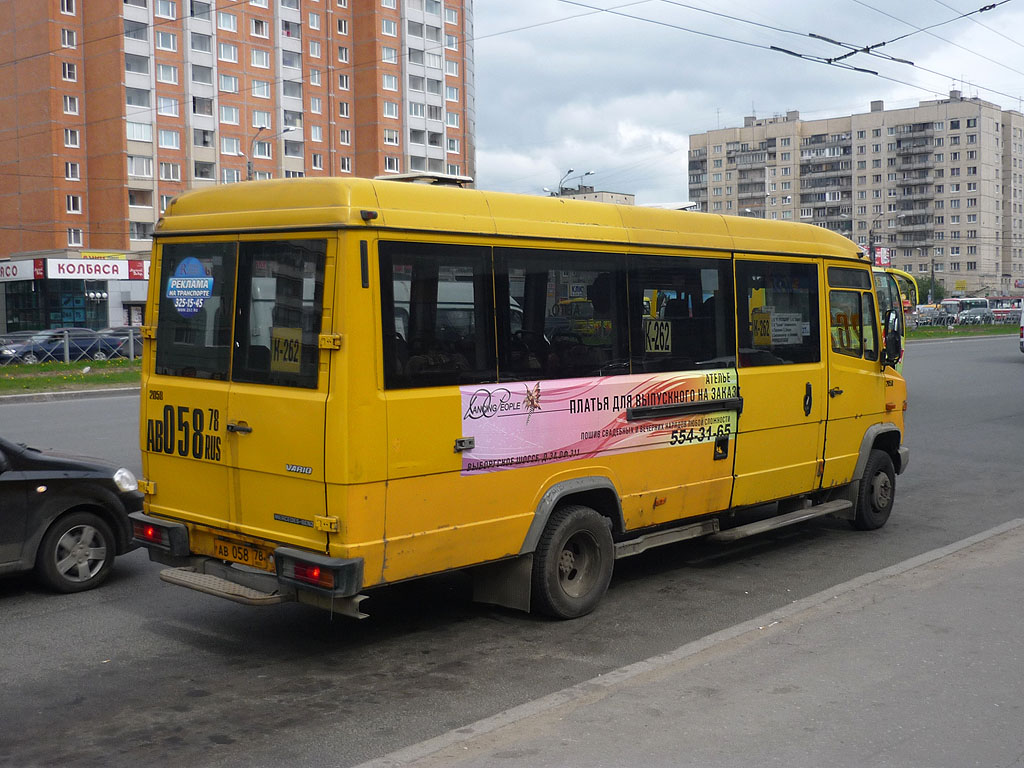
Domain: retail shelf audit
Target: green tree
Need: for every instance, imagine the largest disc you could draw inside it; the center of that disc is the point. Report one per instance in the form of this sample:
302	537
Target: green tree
925	286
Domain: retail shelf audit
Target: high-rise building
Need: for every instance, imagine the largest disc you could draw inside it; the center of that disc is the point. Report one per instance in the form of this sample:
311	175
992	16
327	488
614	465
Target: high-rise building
109	108
939	186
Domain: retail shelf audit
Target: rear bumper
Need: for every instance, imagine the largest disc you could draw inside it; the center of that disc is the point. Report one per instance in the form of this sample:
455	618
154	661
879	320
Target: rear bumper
904	459
172	549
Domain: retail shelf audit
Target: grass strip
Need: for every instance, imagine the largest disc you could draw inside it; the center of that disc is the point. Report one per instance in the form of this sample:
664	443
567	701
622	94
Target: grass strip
58	377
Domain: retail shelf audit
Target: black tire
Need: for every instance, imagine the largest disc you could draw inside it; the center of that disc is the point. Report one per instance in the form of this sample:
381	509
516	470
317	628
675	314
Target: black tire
76	553
877	492
573	563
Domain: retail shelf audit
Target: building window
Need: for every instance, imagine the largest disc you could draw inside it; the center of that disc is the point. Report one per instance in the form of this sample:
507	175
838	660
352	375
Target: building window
227	21
390	82
416	109
135	30
68	38
391	136
314	77
293	148
140	167
170	172
451	93
261	89
70	105
140	230
291	59
260	58
451	119
451	68
69	71
165	200
74	203
343	109
202	106
227	52
201	74
291	29
316	133
390	109
165	73
200	10
389	27
71	137
451	16
261	119
342	26
229	114
317	161
201	42
343	82
229	83
170	139
345	164
260	3
230	145
316	105
292	88
260	28
314	49
451	42
203	170
387	4
345	136
166	9
343	54
314	20
202	138
263	150
453	145
392	164
74	237
67	7
166	41
72	172
167	105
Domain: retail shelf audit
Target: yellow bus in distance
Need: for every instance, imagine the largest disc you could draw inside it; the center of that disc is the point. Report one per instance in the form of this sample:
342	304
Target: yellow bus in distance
349	383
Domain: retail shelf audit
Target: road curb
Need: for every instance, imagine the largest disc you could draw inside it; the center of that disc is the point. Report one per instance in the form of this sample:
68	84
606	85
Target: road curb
44	397
578	693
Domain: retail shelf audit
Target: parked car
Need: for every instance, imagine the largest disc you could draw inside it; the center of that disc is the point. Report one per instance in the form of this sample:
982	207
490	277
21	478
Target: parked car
13	337
122	341
64	516
48	346
976	316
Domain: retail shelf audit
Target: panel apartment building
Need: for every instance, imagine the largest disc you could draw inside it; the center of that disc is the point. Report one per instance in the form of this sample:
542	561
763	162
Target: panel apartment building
109	108
939	186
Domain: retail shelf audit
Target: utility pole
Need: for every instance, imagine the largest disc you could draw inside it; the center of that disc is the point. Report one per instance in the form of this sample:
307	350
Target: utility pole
871	246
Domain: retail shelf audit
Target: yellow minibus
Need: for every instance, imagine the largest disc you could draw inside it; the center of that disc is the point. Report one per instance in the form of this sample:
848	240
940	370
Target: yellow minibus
348	383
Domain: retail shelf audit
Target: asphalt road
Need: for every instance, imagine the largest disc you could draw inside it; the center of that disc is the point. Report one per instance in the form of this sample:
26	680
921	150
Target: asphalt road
140	672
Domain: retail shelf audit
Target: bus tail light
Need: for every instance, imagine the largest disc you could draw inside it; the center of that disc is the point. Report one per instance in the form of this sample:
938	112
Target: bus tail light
163	535
341	577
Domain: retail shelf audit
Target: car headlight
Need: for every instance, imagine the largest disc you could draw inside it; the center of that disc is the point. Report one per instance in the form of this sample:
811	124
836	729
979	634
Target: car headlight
125	480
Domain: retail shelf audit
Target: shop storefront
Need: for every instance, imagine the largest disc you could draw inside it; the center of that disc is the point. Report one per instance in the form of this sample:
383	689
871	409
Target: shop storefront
72	293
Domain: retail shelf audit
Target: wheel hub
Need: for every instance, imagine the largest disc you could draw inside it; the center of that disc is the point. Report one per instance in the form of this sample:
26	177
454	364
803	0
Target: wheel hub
881	491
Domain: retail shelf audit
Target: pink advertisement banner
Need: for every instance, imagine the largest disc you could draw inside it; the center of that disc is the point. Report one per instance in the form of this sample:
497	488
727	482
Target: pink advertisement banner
519	424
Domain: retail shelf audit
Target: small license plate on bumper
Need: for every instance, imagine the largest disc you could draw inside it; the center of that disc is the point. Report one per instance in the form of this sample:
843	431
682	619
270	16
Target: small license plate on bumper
243	553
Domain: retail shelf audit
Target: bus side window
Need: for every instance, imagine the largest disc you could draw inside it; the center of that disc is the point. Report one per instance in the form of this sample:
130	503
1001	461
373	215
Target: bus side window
560	314
436	316
777	313
682	314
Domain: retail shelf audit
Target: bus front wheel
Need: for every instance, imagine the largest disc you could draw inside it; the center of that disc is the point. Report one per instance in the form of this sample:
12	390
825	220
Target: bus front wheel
572	565
877	492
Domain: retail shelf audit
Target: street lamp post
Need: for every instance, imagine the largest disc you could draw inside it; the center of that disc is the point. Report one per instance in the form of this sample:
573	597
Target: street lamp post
579	180
562	180
252	146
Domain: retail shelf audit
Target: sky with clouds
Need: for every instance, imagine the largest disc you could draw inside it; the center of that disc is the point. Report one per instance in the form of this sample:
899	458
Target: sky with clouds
616	86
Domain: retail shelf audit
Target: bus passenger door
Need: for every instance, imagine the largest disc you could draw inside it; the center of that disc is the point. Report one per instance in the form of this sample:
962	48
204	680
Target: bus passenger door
857	386
275	422
781	378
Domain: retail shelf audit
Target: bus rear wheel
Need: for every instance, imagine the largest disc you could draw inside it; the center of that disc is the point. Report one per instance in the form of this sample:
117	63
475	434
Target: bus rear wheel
877	492
573	563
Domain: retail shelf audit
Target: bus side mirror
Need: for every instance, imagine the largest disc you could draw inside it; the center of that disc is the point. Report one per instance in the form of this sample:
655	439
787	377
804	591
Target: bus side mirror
893	339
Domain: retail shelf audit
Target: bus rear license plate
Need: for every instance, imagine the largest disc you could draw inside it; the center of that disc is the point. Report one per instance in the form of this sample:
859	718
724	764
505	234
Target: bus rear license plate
246	554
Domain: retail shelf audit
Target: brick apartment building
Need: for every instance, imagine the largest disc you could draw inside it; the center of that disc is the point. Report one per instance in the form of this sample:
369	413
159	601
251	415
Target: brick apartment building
939	186
109	108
